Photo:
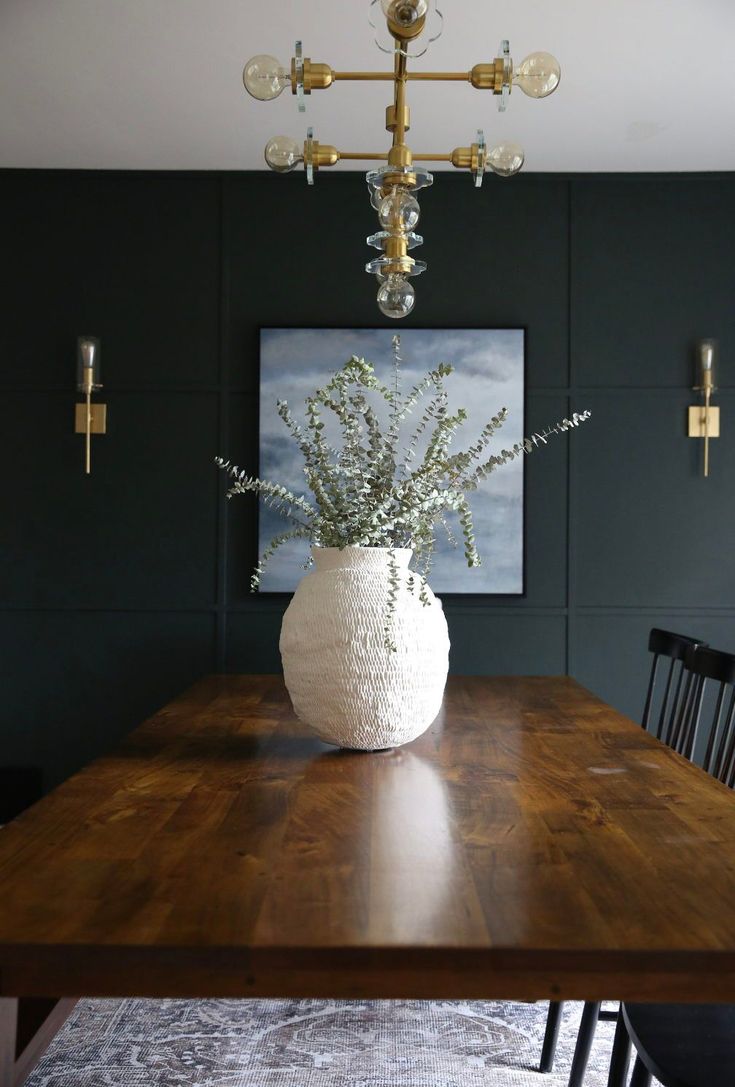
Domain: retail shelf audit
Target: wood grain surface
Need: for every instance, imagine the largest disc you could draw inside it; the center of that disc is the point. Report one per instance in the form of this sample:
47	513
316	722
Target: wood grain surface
533	843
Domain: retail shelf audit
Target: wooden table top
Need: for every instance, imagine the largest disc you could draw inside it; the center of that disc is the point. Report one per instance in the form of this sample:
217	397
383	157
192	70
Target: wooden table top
533	843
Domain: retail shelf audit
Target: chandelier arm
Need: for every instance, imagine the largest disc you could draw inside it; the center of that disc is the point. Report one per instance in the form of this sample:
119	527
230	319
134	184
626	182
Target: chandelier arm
363	76
317	77
461	77
387	77
367	155
383	156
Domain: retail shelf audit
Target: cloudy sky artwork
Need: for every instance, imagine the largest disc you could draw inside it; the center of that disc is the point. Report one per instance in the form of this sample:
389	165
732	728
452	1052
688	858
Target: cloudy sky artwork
489	375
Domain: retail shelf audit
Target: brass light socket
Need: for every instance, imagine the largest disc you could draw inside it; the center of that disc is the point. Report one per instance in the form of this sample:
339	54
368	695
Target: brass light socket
390	118
488	77
406	33
406	181
400	266
315	77
325	154
321	154
462	158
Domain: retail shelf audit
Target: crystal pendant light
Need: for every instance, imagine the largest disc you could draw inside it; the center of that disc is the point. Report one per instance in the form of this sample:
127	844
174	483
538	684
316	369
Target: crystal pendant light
393	185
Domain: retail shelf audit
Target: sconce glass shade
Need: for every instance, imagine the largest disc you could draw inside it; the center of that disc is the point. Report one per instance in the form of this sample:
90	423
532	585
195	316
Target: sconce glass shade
706	375
707	354
538	75
265	77
89	350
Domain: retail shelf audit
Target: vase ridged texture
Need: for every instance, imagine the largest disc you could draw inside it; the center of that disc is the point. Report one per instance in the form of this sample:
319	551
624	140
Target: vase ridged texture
343	681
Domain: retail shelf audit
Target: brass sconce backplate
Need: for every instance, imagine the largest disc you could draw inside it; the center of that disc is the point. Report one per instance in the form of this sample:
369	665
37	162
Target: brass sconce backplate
697	428
98	415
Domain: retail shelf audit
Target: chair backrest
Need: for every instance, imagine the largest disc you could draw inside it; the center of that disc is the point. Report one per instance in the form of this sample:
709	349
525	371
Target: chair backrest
674	647
705	665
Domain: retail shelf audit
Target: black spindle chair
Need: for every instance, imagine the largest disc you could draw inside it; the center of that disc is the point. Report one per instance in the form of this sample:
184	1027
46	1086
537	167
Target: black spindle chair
689	1045
670	689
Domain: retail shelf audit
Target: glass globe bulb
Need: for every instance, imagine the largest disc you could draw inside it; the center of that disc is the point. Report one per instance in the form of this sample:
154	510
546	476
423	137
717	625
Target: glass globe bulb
265	77
506	159
283	153
537	75
404	12
396	296
399	210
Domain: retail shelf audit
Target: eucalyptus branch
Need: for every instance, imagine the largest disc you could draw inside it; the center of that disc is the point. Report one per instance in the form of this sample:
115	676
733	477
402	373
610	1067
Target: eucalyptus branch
362	495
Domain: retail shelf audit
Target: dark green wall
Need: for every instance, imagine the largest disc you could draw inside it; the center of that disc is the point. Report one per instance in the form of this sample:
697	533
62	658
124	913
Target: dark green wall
118	590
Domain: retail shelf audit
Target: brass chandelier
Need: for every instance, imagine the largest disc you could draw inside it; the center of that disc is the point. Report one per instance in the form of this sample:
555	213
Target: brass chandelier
394	184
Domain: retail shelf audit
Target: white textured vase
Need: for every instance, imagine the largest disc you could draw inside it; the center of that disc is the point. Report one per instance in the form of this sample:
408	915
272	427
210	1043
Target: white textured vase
343	681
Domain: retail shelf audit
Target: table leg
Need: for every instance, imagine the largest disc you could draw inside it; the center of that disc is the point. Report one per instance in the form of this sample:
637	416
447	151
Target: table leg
27	1026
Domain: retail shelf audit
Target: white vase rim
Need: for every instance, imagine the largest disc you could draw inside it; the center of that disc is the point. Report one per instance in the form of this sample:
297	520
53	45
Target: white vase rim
332	558
359	547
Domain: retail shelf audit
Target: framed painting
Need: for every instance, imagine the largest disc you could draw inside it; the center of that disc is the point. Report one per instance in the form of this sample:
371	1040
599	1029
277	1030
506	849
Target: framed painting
489	374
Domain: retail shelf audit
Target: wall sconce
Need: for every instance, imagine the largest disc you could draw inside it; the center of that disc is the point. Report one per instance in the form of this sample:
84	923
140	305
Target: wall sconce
704	420
89	418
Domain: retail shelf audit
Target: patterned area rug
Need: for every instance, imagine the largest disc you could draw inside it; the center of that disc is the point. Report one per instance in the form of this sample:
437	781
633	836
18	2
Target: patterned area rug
311	1043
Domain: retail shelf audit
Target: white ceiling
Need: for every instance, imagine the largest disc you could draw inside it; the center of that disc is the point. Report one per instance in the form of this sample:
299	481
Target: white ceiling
156	84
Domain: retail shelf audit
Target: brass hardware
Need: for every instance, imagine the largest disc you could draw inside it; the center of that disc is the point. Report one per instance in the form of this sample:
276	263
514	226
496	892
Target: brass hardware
463	77
366	155
363	77
382	156
400	109
698	422
704	420
406	33
321	154
461	157
320	76
399	266
488	77
89	419
390	118
324	154
400	155
98	420
387	77
396	246
315	77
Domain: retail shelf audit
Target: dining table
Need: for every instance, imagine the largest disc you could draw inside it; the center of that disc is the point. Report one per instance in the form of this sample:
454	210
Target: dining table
533	844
